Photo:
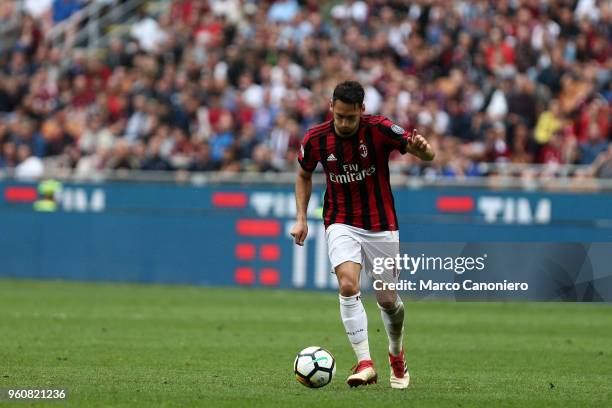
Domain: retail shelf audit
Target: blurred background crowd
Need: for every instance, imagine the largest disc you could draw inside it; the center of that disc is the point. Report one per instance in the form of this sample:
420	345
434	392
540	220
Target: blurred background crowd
232	85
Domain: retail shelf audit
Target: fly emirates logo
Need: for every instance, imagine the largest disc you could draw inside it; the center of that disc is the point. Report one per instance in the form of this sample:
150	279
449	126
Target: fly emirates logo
351	174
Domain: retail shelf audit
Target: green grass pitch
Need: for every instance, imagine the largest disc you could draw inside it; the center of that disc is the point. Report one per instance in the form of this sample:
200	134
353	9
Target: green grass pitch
128	345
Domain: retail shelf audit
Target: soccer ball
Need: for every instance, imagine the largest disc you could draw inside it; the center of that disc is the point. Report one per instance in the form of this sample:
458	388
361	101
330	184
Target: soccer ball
314	367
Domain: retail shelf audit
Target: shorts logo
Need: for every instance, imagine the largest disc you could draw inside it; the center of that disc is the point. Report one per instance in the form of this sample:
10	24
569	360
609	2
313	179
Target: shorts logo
398	129
363	150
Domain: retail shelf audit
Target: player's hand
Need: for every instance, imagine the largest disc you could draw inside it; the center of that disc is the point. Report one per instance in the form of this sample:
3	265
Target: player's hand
299	232
420	147
418	142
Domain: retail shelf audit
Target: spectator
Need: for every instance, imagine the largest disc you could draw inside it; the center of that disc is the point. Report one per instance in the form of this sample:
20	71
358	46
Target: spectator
139	122
552	151
498	150
202	159
149	33
593	146
282	11
223	138
23	130
262	160
63	9
9	155
548	123
29	167
602	166
8	12
247	142
154	159
96	135
122	159
38	9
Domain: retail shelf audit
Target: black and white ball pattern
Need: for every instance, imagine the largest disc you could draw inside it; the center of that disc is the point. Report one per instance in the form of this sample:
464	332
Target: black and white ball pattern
314	367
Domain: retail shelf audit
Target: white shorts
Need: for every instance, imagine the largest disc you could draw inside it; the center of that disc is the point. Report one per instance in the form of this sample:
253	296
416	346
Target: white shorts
367	248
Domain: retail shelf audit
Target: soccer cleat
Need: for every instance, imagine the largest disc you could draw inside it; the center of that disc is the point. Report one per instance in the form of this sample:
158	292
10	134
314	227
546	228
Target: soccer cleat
363	374
400	378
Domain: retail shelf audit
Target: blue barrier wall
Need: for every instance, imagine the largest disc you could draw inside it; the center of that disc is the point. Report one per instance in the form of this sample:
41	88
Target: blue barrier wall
238	234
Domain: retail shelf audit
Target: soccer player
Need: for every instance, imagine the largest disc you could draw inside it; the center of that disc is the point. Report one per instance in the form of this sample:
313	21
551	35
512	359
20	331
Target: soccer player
359	216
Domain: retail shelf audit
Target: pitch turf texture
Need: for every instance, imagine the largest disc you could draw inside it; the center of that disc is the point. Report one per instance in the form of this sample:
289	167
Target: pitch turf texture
152	346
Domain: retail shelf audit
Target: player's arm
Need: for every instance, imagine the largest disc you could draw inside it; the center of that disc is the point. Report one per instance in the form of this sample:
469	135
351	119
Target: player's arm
418	146
397	138
307	158
303	190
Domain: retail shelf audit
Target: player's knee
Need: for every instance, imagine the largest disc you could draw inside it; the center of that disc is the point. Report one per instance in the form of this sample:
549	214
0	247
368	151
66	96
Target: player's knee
347	286
387	301
388	305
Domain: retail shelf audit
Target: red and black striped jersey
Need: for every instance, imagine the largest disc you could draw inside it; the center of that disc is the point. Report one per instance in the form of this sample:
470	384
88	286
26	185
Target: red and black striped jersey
357	171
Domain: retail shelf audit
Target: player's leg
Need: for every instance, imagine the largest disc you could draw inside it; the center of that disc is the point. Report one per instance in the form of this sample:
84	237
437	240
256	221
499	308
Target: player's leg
352	311
346	257
355	322
386	245
392	313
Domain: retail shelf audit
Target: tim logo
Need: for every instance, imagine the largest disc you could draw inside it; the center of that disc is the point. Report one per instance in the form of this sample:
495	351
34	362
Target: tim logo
363	150
514	210
496	209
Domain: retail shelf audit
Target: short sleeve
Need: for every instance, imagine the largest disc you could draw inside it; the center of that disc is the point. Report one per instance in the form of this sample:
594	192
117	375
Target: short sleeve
308	155
395	136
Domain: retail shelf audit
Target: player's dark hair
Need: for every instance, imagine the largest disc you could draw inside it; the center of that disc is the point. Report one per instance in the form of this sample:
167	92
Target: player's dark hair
350	92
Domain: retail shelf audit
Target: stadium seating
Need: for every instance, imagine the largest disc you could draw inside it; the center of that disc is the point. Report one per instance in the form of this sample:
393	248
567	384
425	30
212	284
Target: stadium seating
519	88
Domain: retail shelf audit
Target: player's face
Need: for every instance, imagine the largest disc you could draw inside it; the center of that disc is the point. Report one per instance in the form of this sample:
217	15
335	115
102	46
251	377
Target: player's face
346	117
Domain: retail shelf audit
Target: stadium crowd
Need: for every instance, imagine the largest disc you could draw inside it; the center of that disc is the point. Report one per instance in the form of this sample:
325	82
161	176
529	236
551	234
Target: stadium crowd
232	85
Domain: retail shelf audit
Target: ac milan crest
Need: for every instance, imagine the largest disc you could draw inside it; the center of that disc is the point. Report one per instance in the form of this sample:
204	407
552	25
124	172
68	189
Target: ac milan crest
363	150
